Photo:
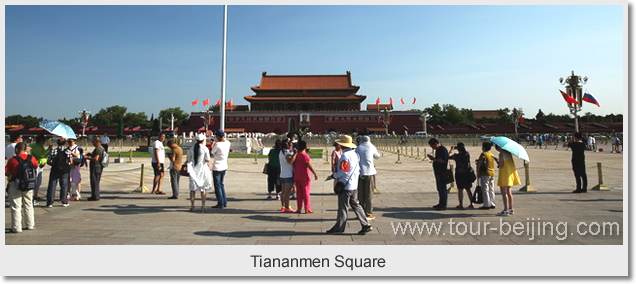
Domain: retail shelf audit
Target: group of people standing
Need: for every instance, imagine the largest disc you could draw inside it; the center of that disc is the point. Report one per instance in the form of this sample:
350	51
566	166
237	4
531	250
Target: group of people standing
66	161
289	166
465	175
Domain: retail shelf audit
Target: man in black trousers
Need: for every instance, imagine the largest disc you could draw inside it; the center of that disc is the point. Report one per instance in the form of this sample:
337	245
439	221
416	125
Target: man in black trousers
578	162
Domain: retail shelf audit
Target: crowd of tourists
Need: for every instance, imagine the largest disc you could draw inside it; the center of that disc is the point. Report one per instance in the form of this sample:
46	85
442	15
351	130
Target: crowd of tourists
289	170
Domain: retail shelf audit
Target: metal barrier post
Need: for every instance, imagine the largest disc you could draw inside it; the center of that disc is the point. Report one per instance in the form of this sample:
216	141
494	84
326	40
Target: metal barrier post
141	188
600	185
255	157
425	156
527	187
130	160
398	157
418	153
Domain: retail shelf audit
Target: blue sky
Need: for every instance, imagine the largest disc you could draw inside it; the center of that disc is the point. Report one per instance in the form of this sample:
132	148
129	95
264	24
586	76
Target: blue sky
149	58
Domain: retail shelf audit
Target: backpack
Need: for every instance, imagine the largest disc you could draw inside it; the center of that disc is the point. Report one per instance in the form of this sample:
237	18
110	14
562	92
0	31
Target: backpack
60	162
105	159
27	173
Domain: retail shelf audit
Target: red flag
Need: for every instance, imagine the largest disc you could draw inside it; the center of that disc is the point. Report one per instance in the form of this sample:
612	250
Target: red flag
211	120
414	99
206	102
391	101
402	100
229	103
218	103
522	120
195	102
390	120
377	102
569	99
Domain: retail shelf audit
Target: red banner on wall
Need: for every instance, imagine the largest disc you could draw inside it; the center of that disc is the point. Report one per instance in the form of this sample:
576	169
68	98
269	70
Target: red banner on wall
339	119
256	119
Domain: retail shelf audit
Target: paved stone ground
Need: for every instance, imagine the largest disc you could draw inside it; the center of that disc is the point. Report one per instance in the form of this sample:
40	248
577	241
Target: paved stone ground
123	217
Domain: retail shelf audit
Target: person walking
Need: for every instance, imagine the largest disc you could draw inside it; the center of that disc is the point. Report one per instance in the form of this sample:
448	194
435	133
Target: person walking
220	151
286	174
367	152
95	168
486	175
440	164
302	180
176	160
41	154
273	171
19	199
348	174
199	171
158	159
508	176
60	162
578	162
464	174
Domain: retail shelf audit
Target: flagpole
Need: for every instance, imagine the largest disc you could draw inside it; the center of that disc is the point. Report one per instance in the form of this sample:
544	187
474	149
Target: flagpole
222	122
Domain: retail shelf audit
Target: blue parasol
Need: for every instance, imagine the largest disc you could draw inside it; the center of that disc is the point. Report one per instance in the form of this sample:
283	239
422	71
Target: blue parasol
511	146
58	128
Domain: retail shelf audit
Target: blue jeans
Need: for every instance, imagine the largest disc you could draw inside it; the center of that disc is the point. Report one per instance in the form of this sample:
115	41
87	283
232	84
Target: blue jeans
53	180
219	187
441	190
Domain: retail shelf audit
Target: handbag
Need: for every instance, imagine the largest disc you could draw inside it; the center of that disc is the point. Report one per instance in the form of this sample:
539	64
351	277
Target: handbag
265	168
447	176
477	197
184	170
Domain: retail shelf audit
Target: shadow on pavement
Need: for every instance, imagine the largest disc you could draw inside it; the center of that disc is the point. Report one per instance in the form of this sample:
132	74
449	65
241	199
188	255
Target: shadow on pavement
248	234
282	219
592	200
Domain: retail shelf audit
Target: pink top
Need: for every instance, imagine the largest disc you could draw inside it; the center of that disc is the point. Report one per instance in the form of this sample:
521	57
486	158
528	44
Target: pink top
301	170
335	157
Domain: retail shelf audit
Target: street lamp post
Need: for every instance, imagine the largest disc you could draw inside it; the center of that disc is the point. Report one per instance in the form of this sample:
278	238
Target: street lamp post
84	120
386	119
574	88
423	118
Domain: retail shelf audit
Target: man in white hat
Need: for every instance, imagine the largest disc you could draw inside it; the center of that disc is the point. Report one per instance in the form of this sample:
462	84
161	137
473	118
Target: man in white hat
348	173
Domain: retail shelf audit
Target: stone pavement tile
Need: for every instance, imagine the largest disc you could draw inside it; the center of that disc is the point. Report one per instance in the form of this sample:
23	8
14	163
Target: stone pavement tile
225	242
153	241
288	242
142	234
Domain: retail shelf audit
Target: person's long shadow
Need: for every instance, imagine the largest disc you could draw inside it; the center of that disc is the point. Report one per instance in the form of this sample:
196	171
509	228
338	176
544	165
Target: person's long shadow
422	213
132	209
283	219
592	200
248	234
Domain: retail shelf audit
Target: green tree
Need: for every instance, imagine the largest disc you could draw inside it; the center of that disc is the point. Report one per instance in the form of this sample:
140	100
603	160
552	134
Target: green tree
136	119
109	116
435	114
180	116
27	121
540	117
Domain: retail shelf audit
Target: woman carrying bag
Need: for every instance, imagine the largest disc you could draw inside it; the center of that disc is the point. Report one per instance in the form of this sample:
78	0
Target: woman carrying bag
464	173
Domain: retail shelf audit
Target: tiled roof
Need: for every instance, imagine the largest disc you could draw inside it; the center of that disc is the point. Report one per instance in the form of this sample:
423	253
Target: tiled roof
348	98
305	82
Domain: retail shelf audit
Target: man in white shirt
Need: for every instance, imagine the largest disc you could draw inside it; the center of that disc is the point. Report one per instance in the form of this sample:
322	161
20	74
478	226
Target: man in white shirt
9	150
367	152
158	158
105	140
220	151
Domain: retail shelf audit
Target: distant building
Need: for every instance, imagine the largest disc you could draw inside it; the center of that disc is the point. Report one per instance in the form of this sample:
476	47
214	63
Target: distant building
317	103
305	93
